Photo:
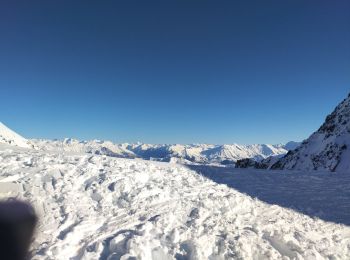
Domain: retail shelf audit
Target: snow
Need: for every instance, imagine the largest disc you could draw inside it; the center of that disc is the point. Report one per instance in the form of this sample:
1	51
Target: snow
93	203
312	193
102	207
190	153
291	145
8	136
327	148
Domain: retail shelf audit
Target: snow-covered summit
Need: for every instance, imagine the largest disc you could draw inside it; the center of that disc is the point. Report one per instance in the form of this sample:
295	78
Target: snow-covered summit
326	149
10	137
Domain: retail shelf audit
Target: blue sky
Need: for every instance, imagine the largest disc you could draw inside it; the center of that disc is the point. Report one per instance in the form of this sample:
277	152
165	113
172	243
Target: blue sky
173	71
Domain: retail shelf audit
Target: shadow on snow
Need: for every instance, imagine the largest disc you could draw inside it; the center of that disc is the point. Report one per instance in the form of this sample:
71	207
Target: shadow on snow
317	194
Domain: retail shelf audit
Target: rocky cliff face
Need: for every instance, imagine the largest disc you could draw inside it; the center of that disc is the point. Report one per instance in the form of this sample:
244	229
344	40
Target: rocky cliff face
326	149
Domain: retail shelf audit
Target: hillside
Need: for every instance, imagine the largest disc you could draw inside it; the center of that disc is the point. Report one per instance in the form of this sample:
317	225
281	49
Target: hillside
327	149
7	136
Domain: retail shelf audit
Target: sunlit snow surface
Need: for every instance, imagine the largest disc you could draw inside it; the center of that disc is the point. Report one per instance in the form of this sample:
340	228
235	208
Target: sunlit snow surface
8	136
98	207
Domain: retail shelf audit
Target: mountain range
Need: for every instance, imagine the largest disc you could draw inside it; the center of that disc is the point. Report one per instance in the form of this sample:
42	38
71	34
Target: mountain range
226	154
176	153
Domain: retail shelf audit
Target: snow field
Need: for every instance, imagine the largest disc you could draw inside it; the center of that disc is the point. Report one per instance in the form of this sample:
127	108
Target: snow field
98	207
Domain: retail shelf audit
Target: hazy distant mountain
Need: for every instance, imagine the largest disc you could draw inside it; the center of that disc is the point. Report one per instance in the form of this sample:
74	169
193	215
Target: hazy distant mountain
291	145
192	153
226	154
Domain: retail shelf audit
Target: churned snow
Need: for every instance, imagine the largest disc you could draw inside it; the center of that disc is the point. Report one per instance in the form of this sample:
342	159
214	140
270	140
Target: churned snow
100	207
92	205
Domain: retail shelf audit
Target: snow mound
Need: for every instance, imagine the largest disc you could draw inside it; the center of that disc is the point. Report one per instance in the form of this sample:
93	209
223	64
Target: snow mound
91	147
326	149
8	136
100	207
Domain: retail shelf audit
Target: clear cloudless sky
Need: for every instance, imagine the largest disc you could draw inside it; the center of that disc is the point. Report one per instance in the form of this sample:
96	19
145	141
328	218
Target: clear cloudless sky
173	71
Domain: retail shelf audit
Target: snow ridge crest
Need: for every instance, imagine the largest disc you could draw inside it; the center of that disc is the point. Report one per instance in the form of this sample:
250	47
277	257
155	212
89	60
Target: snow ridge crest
10	137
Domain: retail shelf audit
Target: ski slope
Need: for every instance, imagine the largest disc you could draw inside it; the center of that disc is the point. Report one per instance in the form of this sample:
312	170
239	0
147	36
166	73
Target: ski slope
100	207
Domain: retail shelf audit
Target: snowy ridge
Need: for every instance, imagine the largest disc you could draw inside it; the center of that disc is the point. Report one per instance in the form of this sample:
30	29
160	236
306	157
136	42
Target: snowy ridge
8	136
192	153
100	207
326	149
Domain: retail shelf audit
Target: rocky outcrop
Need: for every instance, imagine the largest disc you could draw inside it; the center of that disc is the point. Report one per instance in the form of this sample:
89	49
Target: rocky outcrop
327	148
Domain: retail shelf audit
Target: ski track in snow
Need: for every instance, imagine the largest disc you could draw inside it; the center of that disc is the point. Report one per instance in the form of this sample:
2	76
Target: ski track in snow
98	207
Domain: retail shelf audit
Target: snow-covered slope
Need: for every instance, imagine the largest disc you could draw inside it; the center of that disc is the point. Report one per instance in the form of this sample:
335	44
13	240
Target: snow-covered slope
100	207
8	136
326	149
193	153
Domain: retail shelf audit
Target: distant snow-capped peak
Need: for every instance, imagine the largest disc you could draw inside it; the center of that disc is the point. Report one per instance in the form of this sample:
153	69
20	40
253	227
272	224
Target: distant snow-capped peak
190	153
